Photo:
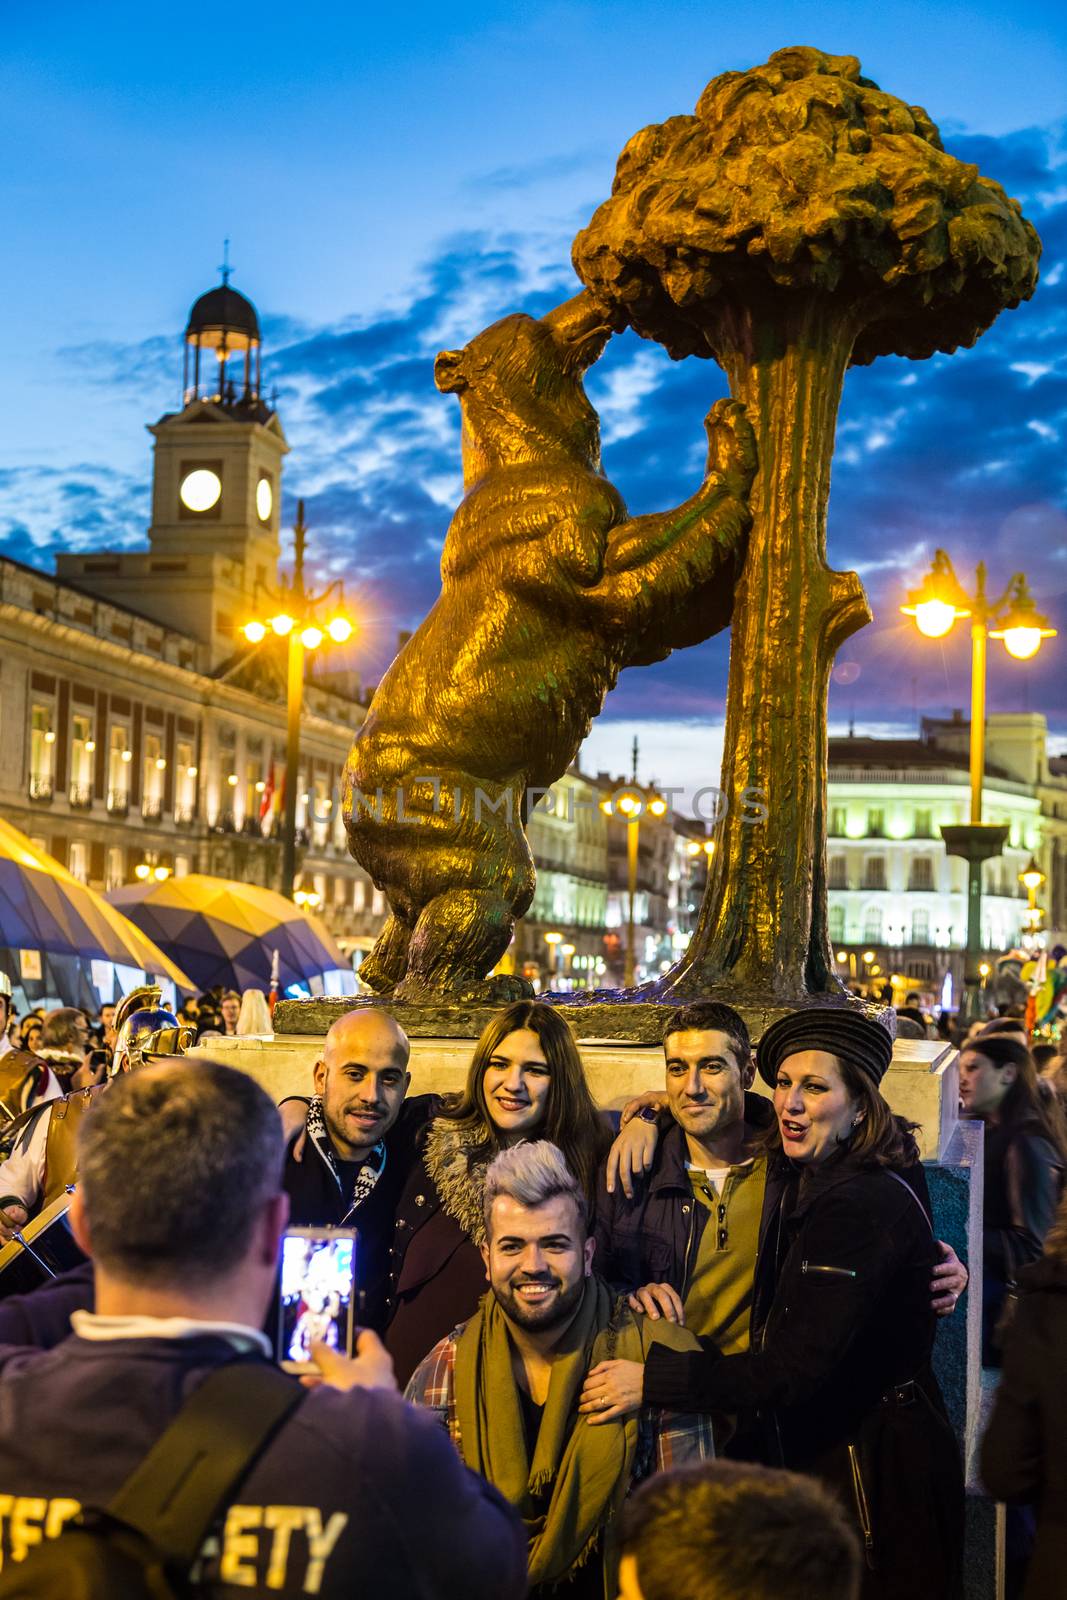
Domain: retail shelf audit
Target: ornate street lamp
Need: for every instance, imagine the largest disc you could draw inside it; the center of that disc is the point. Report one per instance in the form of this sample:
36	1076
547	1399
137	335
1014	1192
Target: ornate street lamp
1013	617
306	620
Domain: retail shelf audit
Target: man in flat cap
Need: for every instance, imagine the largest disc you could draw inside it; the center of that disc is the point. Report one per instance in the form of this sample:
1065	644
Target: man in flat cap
686	1239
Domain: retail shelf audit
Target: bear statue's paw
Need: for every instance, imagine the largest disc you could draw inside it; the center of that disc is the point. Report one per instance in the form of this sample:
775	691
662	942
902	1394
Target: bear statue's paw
498	990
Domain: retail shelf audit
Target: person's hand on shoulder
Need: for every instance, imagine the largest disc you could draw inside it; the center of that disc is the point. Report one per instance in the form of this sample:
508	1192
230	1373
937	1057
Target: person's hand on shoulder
370	1368
659	1300
634	1149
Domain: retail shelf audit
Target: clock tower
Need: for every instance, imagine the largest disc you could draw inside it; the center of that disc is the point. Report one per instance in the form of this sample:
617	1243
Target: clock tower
216	488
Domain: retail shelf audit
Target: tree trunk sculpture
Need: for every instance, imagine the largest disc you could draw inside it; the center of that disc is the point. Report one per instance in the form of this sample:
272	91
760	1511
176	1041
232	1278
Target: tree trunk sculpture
802	219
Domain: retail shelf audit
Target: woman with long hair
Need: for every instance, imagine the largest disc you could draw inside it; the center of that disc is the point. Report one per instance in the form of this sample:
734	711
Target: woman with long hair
1025	1157
837	1381
525	1081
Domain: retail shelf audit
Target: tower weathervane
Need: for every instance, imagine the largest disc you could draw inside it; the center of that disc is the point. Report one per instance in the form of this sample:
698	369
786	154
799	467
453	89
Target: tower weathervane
226	269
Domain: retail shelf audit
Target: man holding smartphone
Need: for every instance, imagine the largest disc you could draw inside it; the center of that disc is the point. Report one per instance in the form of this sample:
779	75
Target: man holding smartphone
182	1289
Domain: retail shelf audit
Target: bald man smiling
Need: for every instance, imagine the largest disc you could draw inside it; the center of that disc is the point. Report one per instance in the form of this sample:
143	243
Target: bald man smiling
360	1144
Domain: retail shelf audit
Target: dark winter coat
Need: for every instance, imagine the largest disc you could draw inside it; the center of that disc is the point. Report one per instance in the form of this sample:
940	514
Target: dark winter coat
1024	1452
839	1369
436	1272
655	1237
1020	1192
351	1470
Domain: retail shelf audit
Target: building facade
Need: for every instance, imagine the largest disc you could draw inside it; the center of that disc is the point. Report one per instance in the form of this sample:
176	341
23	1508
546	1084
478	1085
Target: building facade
897	900
140	733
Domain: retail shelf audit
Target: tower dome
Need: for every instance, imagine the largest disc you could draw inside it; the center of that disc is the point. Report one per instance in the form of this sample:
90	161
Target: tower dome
225	323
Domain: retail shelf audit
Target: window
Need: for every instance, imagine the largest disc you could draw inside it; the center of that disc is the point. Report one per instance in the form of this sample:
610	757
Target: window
119	757
838	821
113	871
876	822
924	825
82	748
42	748
872	925
78	860
185	777
874	872
838	872
837	923
922	873
359	891
920	927
153	768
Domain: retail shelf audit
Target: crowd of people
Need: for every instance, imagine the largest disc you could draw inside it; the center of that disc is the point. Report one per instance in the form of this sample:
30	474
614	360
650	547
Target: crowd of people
689	1354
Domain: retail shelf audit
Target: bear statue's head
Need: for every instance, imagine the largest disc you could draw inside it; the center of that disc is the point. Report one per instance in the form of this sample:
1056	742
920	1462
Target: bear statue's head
520	388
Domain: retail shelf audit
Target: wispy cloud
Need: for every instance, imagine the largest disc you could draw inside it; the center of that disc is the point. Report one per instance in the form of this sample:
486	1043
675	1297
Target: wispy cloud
963	452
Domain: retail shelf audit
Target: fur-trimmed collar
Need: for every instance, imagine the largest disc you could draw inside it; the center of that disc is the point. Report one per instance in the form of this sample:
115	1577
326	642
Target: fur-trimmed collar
457	1177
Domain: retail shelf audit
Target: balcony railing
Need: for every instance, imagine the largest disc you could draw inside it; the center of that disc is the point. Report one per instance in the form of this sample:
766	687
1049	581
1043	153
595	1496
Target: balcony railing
41	788
151	808
184	816
118	802
80	796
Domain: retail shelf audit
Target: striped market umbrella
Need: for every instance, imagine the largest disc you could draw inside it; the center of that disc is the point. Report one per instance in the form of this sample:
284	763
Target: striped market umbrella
52	928
226	933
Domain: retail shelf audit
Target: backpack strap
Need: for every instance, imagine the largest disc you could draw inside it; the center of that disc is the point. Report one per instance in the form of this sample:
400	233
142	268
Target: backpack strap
173	1497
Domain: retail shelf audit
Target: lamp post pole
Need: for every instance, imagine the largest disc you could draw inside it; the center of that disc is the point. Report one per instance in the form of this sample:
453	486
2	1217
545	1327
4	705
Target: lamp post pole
633	825
294	707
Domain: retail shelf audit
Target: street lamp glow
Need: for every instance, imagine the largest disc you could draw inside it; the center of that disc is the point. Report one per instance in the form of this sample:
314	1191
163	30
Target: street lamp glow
566	949
842	955
694	847
709	847
934	618
605	806
629	805
868	956
553	938
1022	643
127	755
142	870
161	874
90	746
311	637
282	624
339	629
657	807
161	763
232	780
984	969
255	632
1032	876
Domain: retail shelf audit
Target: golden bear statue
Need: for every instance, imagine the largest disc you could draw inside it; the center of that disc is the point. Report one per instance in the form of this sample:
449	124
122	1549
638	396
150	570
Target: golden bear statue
548	590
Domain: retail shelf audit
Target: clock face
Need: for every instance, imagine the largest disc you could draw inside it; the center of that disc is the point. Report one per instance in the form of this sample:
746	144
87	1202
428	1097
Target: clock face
200	489
264	499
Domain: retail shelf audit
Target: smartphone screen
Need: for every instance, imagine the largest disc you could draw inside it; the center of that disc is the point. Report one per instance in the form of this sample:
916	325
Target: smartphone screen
317	1292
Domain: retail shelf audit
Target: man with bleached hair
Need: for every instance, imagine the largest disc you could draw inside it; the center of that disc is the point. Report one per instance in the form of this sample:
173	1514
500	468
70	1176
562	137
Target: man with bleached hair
507	1383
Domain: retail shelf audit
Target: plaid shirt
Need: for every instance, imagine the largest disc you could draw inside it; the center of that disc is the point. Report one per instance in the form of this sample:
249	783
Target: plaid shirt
664	1438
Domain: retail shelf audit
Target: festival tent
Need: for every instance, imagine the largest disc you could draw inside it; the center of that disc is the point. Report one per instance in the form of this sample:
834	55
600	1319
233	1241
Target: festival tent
228	933
61	942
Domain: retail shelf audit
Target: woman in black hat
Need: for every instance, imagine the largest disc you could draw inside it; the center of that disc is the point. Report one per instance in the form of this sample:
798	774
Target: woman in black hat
838	1371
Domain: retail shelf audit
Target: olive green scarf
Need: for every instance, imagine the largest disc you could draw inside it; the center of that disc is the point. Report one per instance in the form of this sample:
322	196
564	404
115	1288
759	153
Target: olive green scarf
588	1469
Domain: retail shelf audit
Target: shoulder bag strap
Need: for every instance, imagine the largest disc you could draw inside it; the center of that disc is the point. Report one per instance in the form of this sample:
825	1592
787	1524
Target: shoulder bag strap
172	1498
906	1185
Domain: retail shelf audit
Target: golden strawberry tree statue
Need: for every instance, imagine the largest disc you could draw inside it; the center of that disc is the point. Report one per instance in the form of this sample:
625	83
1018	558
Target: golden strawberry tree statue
801	220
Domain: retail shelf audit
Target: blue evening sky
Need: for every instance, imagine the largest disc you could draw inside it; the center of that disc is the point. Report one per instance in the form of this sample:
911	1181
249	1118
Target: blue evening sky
392	180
